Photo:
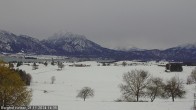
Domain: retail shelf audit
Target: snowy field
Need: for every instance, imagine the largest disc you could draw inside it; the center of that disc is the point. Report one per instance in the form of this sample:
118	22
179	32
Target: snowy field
105	81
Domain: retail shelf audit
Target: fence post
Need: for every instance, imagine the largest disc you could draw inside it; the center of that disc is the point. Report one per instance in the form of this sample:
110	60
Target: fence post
194	107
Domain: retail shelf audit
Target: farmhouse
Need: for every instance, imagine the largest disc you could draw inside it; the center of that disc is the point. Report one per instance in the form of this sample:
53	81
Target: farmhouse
174	67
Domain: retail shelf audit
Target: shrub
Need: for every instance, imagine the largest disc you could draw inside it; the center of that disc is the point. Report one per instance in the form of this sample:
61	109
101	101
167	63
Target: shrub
13	91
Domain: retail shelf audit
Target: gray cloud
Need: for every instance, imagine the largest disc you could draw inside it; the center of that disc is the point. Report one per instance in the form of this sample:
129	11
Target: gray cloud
111	23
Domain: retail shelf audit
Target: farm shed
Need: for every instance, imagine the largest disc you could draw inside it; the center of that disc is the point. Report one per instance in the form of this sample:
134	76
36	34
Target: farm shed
174	67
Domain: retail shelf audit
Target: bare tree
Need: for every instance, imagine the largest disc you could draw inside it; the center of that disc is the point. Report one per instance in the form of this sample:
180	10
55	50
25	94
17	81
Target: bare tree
174	88
85	92
104	64
193	75
52	62
60	65
155	88
124	63
115	64
135	82
46	63
189	80
34	66
53	79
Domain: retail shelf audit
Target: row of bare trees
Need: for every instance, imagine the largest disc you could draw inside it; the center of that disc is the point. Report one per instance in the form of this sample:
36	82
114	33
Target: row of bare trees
59	64
138	83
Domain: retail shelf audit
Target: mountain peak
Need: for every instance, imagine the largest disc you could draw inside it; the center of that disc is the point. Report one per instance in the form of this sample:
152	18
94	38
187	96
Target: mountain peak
3	32
72	43
188	46
67	35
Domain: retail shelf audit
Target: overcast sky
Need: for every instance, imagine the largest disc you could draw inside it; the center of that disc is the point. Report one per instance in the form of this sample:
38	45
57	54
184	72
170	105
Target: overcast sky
147	24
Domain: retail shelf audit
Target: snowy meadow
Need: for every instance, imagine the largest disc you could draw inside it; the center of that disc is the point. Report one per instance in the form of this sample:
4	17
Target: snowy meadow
105	81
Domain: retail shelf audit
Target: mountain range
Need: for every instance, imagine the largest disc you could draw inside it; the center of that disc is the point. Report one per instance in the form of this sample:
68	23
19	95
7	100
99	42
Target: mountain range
74	45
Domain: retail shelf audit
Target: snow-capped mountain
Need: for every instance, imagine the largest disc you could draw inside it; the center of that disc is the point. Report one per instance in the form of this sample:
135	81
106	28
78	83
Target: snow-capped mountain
71	43
181	52
75	45
188	46
60	44
12	43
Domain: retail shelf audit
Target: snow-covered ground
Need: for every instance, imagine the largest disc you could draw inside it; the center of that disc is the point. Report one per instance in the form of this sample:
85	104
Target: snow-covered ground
105	81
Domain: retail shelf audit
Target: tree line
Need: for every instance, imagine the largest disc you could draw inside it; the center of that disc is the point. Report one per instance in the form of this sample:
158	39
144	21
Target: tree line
13	87
138	83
